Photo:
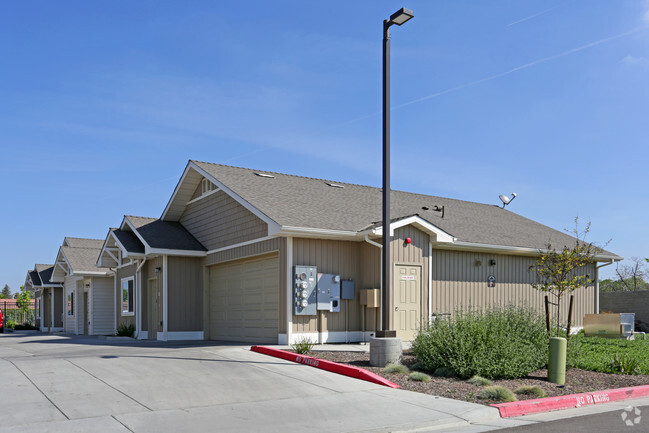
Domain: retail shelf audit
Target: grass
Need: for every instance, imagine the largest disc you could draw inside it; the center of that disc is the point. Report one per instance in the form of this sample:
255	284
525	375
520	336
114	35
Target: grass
396	368
607	355
532	391
303	346
418	376
497	393
479	381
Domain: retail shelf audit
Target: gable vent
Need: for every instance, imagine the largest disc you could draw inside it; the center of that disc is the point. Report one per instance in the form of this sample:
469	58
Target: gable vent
270	176
335	185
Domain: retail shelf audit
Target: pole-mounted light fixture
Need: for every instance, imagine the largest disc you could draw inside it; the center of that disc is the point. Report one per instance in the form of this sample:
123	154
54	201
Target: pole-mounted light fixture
398	18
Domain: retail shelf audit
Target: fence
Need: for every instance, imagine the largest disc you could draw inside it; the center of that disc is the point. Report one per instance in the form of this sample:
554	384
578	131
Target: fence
626	302
11	312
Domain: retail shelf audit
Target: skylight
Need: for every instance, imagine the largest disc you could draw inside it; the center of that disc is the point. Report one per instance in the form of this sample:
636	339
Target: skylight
265	175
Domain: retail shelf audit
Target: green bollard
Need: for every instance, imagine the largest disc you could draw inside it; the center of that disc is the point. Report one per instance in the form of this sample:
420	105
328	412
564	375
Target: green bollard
557	364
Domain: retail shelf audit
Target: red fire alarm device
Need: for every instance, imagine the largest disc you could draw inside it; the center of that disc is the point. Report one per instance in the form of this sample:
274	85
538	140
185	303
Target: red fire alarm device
408	241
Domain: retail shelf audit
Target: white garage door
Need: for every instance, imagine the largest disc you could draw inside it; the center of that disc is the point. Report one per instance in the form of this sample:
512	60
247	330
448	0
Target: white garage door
244	300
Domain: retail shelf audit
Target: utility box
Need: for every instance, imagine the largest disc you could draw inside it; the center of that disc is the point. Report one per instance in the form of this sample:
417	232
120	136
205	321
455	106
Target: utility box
347	289
618	325
371	298
304	290
328	289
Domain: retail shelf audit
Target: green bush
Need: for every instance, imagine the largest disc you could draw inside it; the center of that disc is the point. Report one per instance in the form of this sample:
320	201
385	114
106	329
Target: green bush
503	343
444	372
479	381
418	376
125	330
25	327
533	391
303	346
11	324
396	368
497	393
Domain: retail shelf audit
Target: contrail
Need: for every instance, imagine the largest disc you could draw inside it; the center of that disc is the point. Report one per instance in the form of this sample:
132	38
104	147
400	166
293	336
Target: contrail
519	68
452	89
533	16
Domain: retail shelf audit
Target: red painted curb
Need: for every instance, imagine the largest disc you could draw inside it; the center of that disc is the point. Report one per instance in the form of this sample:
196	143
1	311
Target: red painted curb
527	407
334	367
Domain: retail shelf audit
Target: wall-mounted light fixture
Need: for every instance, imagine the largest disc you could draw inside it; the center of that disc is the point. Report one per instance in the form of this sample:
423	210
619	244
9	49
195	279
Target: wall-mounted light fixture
157	269
492	262
478	263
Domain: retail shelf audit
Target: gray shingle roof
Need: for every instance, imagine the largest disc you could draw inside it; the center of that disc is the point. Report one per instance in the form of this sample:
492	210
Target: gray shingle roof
36	280
165	234
44	273
295	201
83	260
84	243
129	240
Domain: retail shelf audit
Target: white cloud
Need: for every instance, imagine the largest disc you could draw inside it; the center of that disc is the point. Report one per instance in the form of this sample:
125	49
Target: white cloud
635	61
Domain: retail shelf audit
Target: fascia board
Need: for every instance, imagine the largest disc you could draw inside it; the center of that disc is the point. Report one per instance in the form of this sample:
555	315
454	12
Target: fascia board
169	252
523	251
173	196
91	274
103	248
318	233
273	227
440	235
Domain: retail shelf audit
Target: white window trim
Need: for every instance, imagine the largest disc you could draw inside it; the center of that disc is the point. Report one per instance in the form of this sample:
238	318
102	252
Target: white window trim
69	305
121	297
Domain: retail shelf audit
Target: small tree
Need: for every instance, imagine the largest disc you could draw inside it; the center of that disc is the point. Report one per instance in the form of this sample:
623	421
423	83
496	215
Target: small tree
6	292
557	270
23	301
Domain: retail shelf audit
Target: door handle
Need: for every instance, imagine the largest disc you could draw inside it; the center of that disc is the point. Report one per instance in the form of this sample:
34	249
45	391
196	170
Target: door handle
396	308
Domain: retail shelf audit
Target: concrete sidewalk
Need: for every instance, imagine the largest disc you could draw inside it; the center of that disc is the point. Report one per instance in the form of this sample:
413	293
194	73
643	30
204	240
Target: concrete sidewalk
53	383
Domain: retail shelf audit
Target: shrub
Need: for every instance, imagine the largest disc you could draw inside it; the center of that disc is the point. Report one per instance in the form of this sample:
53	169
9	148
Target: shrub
497	393
125	330
533	391
444	372
608	355
25	327
303	346
396	368
503	343
479	381
418	376
11	324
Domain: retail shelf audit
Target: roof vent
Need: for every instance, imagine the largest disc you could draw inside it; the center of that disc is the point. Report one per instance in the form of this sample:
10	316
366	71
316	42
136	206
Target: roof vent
270	176
334	185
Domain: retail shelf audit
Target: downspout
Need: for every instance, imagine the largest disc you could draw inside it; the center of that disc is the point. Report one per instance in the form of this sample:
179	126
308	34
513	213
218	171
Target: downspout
376	244
597	284
138	299
114	271
430	281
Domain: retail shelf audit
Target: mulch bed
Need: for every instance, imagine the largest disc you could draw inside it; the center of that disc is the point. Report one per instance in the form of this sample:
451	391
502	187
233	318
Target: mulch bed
577	381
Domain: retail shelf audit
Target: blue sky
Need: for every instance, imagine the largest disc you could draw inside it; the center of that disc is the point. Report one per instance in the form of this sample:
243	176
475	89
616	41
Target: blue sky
103	103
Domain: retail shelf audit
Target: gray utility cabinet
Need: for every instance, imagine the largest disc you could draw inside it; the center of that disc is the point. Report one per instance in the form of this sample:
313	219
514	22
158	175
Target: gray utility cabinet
305	280
329	292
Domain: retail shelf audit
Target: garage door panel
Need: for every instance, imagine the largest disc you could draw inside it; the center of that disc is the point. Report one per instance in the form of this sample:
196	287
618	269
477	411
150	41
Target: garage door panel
244	300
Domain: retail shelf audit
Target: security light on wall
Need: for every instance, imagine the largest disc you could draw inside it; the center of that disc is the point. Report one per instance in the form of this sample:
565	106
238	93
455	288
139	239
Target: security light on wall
157	270
506	200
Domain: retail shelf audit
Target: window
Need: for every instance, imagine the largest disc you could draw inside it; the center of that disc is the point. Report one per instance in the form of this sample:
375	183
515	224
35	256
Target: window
128	300
71	304
37	307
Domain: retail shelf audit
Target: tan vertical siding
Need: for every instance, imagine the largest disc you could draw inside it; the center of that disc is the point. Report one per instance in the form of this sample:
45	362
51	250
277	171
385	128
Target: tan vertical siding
218	221
283	260
330	257
370	279
102	301
185	294
460	284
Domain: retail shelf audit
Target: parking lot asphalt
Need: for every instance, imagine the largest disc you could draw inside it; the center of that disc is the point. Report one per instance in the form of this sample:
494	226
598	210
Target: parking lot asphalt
62	383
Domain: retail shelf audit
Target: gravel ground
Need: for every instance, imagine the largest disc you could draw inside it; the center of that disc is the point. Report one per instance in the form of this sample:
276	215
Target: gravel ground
576	380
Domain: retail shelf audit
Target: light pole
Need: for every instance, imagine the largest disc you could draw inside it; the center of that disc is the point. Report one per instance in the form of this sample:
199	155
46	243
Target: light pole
398	18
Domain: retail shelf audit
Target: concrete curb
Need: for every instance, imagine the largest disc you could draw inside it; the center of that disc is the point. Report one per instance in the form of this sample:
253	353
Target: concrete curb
538	405
334	367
